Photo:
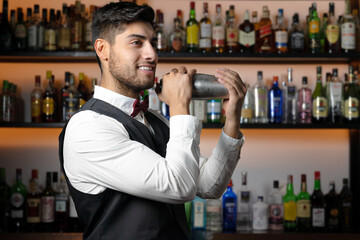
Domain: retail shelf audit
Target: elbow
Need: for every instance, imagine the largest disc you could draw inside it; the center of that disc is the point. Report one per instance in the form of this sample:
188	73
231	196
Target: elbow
188	193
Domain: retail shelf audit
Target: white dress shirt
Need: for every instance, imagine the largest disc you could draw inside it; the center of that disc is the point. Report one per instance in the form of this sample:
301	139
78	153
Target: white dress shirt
98	154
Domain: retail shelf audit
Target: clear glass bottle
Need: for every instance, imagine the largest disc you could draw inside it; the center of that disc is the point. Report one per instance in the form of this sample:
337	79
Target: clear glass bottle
77	23
200	109
291	98
161	45
192	31
232	33
276	208
304	102
229	210
289	200
334	93
244	211
50	43
177	37
281	34
218	32
214	111
297	39
275	102
33	28
213	215
260	100
247	111
260	219
89	44
205	31
348	30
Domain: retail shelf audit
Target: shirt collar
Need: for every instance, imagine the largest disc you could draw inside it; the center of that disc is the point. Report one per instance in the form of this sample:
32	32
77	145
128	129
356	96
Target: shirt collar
122	102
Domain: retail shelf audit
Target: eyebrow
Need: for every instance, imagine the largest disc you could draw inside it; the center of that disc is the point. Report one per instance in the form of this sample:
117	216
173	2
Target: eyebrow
141	37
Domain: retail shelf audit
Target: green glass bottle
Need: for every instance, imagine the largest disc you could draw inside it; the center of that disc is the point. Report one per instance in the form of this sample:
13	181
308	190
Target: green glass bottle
319	100
303	204
48	206
18	194
4	202
192	31
323	32
289	200
314	31
351	100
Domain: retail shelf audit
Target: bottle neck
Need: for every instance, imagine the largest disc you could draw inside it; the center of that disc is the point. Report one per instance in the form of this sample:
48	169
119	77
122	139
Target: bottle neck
18	179
290	188
192	14
317	185
303	187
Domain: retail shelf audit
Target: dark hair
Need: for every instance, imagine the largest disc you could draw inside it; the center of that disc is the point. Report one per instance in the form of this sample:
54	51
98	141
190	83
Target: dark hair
112	19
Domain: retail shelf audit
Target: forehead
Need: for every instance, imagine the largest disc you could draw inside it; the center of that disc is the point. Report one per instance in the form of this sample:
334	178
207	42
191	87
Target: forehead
138	28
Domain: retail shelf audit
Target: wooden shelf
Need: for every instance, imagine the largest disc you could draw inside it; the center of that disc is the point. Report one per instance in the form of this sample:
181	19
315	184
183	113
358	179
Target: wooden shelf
184	57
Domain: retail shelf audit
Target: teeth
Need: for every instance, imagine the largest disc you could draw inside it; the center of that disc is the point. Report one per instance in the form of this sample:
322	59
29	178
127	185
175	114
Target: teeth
146	68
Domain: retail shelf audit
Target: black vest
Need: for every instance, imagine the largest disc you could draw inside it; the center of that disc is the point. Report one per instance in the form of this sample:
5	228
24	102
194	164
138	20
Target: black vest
116	215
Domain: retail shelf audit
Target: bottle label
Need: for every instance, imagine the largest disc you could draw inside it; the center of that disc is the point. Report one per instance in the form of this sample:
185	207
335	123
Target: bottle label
200	109
276	214
276	105
247	39
47	209
335	97
17	200
214	107
76	34
177	44
260	217
351	108
265	31
17	213
213	209
60	205
205	30
281	39
205	43
161	41
348	36
260	102
303	208
32	36
199	214
318	217
230	210
192	34
70	105
320	107
48	106
50	40
33	210
88	33
40	37
297	40
332	33
290	211
20	31
314	27
64	41
232	37
245	196
35	107
218	34
247	113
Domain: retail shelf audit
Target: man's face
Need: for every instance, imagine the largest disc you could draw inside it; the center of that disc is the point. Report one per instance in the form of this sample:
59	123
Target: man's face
133	57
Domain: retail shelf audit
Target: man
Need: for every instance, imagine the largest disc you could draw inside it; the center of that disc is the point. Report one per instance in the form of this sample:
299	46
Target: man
128	172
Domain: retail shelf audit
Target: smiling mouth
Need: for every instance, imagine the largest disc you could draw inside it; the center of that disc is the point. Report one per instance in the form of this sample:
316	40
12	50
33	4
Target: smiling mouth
147	68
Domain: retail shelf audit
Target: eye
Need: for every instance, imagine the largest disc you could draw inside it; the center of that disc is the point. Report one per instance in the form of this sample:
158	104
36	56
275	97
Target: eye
137	42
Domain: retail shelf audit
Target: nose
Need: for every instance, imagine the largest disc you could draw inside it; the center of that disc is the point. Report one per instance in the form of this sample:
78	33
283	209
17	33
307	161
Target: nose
150	53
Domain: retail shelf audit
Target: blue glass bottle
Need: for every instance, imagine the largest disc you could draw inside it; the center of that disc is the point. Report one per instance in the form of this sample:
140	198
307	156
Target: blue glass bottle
229	210
165	110
198	214
275	102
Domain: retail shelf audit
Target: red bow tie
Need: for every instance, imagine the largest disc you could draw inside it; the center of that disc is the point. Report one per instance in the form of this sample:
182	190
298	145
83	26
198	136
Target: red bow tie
140	106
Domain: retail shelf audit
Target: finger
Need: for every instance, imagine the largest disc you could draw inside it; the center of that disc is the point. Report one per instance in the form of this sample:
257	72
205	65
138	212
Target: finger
192	73
231	76
183	70
174	70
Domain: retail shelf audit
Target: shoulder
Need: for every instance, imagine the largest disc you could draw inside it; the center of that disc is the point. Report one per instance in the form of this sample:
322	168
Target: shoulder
160	116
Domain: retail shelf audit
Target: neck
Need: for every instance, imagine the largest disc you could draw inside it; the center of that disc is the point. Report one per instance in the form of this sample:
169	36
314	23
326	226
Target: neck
112	84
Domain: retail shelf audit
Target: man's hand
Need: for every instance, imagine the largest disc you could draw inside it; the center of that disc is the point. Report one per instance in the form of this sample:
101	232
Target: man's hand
237	91
177	89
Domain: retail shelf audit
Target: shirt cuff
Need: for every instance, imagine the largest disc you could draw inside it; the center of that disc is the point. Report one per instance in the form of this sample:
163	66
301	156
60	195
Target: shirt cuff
185	125
228	147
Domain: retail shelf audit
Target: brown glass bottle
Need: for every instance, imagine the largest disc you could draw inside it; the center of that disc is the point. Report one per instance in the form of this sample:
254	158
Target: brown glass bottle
48	206
247	35
265	39
49	101
33	204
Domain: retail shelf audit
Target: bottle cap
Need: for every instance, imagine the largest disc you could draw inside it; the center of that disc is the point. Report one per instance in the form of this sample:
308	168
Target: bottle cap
192	5
261	198
335	72
317	175
345	181
230	183
304	80
276	184
275	78
55	176
34	174
303	177
290	178
36	8
18	171
260	75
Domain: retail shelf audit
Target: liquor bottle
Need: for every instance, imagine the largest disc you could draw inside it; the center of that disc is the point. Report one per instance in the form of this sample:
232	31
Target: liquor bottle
304	102
346	212
213	215
76	28
5	29
317	206
50	34
214	111
332	40
48	206
334	92
64	32
63	95
7	112
247	110
255	21
281	34
54	181
200	109
192	31
28	17
165	110
71	99
4	202
265	39
33	216
244	212
232	33
36	100
290	207
291	98
323	32
314	31
276	208
94	83
198	214
41	32
327	82
218	32
348	30
260	100
161	45
260	219
20	36
89	44
351	100
319	101
296	38
33	29
229	210
275	102
332	211
177	37
18	194
62	206
83	92
205	31
355	14
247	35
303	207
49	101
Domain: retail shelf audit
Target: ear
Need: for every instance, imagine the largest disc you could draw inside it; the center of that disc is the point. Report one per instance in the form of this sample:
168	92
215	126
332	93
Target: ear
102	49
